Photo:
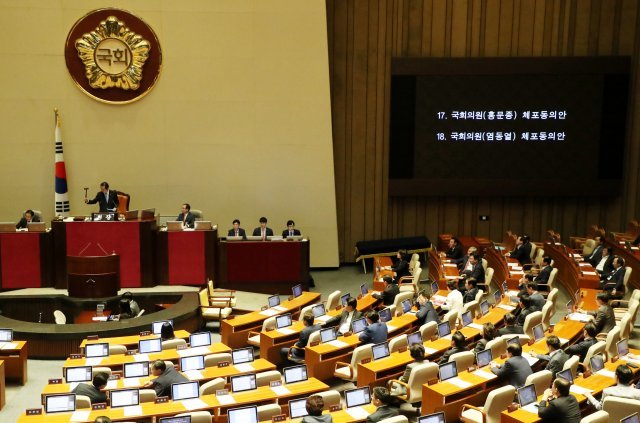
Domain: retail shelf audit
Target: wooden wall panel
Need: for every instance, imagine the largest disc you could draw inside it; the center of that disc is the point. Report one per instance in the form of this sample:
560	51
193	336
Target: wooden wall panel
364	36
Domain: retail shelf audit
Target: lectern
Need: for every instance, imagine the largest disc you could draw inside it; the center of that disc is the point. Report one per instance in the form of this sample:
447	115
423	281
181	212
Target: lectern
93	276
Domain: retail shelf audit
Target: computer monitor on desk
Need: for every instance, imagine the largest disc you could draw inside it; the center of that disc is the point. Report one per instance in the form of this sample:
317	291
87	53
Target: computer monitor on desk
298	408
7	227
192	362
243	383
358	325
36	227
357	397
448	371
59	403
78	374
137	369
432	418
200	339
295	374
283	321
297	290
96	350
173	226
184	391
294	238
243	415
146	346
175	419
203	225
527	395
156	327
124	397
274	300
254	238
6	335
242	355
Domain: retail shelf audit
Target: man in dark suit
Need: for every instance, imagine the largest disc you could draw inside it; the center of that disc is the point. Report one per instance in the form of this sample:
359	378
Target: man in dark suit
28	217
556	357
262	230
344	319
463	262
605	318
527	309
581	348
376	332
454	252
391	289
516	369
614	283
458	344
477	271
291	229
186	217
108	200
605	265
237	230
522	252
303	339
558	405
471	290
165	376
596	254
95	390
426	312
510	327
536	298
545	272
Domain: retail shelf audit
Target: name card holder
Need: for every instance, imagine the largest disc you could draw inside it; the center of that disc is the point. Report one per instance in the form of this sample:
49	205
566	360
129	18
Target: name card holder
365	360
290	298
336	407
131	352
222	392
339	307
55	381
433	381
263	308
114	376
314	343
161	400
33	412
275	383
75	356
402	349
223	364
182	347
93	337
348	333
279	418
99	406
145	333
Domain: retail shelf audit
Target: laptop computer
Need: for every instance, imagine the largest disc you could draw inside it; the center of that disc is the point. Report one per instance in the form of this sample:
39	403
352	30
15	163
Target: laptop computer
406	306
527	395
124	397
380	351
242	355
203	225
318	310
467	319
243	383
298	408
243	415
631	419
184	391
78	374
173	225
432	418
596	363
200	339
357	397
358	325
444	329
344	299
297	290
538	332
36	227
414	338
385	315
137	369
566	374
515	340
7	227
448	371
363	289
283	321
484	307
59	403
483	358
328	335
274	300
295	374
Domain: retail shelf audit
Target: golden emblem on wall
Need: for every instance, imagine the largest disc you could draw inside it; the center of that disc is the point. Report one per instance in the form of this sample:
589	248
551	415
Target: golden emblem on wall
113	56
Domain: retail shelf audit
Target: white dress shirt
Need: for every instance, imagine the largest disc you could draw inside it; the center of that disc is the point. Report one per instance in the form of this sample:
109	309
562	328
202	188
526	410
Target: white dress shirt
454	302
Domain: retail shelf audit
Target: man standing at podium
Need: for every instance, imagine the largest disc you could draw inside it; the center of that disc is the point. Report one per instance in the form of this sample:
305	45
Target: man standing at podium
186	217
108	200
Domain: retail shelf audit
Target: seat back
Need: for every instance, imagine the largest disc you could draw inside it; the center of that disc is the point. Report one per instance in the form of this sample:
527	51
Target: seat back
395	419
464	359
172	344
600	416
552	277
397	302
572	363
266	412
534	249
330	398
333	300
530	321
269	323
627	275
619	408
196	213
539	257
497	401
428	330
451	317
360	353
59	317
488	276
553	295
542	380
485	263
473	307
595	349
265	378
412	262
212	386
212	360
420	374
306	309
548	311
314	336
612	339
498	346
625	326
96	369
83	401
147	395
398	342
117	349
480	294
203	296
588	246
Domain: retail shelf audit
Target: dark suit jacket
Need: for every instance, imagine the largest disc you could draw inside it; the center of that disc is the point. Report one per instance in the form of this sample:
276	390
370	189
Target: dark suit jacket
454	253
543	276
401	268
162	385
462	261
189	222
285	233
537	301
562	409
595	255
303	340
426	313
481	345
581	348
388	296
449	353
476	273
340	319
605	319
617	277
241	232
383	412
607	268
257	231
469	295
523	315
95	395
515	370
555	362
22	224
511	330
374	334
522	253
106	205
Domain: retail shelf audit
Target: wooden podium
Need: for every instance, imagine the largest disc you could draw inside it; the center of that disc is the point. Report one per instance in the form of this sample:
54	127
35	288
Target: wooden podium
93	276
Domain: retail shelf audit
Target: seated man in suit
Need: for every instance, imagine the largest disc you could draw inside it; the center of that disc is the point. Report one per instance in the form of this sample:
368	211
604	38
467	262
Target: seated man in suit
489	333
401	266
95	390
605	265
454	252
387	405
596	254
186	217
558	405
108	200
516	369
28	217
526	307
262	230
458	344
536	298
463	263
165	376
605	318
545	272
556	357
614	283
348	315
291	229
388	296
314	406
522	283
236	230
303	340
471	290
477	271
522	252
376	331
581	348
510	327
622	389
426	312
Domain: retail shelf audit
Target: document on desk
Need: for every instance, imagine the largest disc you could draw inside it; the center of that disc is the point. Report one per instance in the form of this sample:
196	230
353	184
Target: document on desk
323	318
244	367
429	351
531	408
131	382
563	341
584	264
9	346
280	308
589	273
531	360
194	404
358	413
517	272
134	410
580	317
337	343
475	326
269	312
451	277
142	357
485	375
286	331
80	416
226	399
575	389
193	374
112	384
280	390
606	373
458	382
93	361
506	307
194	351
391	328
450	265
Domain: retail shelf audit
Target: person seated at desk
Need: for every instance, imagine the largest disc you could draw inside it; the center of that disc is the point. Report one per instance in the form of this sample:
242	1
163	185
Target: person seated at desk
605	318
102	419
622	389
166	332
596	254
536	298
401	266
522	252
125	310
262	230
387	405
458	344
580	348
558	405
416	351
636	242
291	229
133	304
454	298
388	296
426	312
556	357
463	263
108	200
376	332
489	333
476	272
614	282
510	327
522	283
165	376
454	252
314	406
28	217
95	390
237	230
186	217
605	265
545	272
526	307
297	351
348	315
471	290
516	369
